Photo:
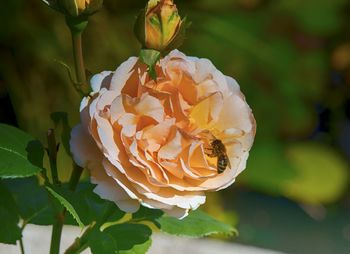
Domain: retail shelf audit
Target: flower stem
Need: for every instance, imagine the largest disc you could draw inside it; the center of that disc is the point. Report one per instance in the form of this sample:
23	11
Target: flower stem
75	176
21	246
78	58
52	152
58	225
76	26
56	233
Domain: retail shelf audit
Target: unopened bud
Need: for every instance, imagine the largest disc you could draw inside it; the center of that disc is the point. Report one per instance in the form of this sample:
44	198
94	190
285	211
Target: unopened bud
159	25
75	8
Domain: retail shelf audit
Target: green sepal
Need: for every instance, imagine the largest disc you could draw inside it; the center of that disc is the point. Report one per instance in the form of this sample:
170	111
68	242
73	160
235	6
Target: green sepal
179	37
150	57
139	27
77	24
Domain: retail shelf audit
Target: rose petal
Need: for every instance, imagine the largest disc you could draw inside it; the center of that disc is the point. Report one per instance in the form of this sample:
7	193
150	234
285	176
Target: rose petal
117	109
106	134
122	74
83	147
235	113
109	189
172	149
100	80
150	106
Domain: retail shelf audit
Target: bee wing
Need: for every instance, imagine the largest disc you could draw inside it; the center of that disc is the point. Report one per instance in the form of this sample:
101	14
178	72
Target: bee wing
231	134
206	134
230	142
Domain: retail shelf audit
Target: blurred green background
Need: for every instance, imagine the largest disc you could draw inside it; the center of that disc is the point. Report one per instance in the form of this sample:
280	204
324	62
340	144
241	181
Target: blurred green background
292	60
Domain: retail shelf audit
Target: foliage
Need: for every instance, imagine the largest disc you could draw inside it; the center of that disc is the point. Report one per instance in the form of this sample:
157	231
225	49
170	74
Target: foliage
196	224
20	155
27	199
64	202
9	232
31	210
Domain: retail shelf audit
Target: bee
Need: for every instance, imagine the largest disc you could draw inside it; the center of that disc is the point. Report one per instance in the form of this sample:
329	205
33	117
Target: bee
218	150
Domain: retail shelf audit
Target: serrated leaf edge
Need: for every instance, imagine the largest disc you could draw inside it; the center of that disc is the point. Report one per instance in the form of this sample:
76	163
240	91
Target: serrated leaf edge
67	205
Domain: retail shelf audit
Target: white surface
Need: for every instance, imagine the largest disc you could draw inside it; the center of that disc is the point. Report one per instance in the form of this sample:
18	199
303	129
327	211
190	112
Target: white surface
37	238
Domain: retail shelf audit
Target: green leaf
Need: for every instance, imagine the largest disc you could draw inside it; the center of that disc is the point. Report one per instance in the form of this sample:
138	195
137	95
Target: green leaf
124	238
138	249
20	155
196	224
63	201
322	175
32	200
9	230
101	243
130	237
147	214
89	205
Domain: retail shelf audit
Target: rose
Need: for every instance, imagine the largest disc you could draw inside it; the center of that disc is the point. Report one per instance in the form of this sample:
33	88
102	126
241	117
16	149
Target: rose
149	142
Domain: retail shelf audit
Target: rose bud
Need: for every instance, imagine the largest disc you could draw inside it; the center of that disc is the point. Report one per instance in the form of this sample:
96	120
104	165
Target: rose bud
160	29
159	26
75	8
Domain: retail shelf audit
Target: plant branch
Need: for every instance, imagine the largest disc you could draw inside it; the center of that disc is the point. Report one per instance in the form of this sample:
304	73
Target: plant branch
21	246
75	176
77	26
81	243
78	58
56	233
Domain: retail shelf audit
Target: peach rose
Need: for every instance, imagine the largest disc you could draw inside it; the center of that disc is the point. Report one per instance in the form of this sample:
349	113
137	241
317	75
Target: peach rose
148	142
